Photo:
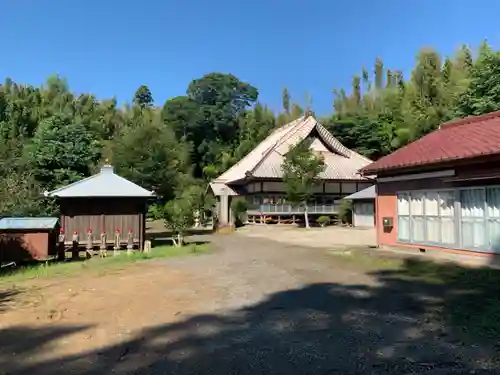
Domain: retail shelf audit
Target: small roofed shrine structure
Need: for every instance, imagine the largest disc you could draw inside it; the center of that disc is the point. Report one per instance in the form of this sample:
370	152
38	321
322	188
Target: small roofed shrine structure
103	210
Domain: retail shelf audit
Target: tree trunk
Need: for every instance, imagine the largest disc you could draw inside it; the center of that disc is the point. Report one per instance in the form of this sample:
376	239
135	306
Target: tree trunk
306	216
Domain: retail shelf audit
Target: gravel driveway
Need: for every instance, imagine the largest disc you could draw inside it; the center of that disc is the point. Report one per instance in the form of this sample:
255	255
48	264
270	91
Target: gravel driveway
283	309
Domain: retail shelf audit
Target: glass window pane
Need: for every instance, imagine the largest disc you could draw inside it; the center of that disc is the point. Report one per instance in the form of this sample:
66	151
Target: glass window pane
364	185
332	187
417	203
404	228
433	229
417	229
446	203
473	224
447	231
348	187
493	202
472	202
317	188
473	234
403	204
431	203
494	235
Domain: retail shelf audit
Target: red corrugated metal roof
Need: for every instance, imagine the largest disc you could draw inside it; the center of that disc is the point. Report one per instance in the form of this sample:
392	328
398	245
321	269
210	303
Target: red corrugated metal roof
462	139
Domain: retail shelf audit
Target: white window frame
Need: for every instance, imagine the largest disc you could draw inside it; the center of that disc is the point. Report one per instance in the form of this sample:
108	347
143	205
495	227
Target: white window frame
405	215
457	218
424	216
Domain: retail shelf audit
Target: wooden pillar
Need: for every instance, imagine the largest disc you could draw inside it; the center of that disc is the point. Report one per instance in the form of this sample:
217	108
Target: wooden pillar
74	248
103	245
116	247
60	245
130	241
142	230
224	209
90	243
60	251
230	212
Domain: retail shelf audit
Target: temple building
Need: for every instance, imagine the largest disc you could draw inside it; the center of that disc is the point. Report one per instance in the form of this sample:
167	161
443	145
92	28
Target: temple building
258	176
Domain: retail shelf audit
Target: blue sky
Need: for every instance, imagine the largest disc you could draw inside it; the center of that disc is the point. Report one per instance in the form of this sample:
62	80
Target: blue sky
110	48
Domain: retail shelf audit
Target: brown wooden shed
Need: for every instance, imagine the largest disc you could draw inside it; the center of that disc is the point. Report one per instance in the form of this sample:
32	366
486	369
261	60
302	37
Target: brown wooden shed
28	238
103	204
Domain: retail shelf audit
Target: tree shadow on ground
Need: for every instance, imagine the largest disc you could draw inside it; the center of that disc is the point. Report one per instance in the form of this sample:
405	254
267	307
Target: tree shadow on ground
165	237
389	327
168	242
467	298
7	297
17	344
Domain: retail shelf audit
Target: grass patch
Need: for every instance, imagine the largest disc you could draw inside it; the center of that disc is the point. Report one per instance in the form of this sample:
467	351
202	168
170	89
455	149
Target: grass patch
467	298
101	265
470	297
366	260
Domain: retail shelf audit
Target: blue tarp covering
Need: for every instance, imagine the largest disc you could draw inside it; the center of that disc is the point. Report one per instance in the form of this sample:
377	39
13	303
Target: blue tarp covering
28	222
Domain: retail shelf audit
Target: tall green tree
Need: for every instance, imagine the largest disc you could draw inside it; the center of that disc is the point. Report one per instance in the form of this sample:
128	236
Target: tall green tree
180	213
356	93
254	125
50	136
217	89
184	116
208	117
63	150
285	98
153	157
483	92
376	120
20	195
143	97
179	217
301	168
222	98
366	79
379	73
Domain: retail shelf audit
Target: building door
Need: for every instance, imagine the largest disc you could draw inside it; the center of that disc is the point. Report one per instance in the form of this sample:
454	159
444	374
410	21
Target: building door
364	214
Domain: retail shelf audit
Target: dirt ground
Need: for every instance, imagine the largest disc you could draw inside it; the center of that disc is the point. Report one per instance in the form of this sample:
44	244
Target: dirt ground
95	312
253	306
332	236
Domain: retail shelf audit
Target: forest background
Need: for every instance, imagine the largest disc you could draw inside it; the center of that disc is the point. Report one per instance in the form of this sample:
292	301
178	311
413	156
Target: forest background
51	137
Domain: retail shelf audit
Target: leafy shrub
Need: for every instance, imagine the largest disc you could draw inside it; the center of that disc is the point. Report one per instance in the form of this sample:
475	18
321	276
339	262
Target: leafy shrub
178	216
155	212
323	220
239	208
345	211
